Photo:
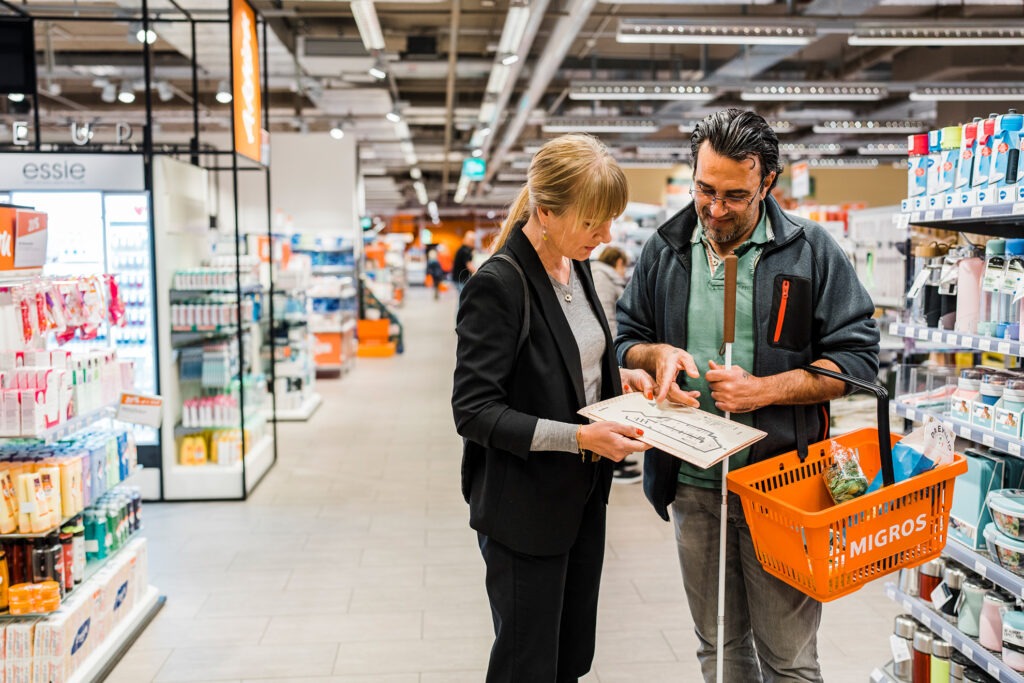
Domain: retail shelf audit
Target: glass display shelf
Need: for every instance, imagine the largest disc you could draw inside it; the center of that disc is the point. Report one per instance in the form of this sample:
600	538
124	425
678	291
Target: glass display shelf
966	430
968	647
884	675
957	339
986	567
64	429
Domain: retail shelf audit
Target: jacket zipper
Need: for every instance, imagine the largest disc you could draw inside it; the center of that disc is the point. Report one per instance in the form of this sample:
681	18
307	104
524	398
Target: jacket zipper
782	310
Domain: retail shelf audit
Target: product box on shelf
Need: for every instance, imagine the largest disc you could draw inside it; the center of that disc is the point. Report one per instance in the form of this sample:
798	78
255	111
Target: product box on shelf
18	642
1007	422
986	471
960	409
982	415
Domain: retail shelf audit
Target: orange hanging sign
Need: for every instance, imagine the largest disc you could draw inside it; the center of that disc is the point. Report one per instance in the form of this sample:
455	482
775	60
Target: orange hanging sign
246	70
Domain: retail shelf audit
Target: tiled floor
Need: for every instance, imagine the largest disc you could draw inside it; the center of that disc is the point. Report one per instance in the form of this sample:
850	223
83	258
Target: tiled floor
353	561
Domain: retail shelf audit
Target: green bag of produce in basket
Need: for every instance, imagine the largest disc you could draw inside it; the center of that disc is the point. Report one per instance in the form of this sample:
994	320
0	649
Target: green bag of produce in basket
844	478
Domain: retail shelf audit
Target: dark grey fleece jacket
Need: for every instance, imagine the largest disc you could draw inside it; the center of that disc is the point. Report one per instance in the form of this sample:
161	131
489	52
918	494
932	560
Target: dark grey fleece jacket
808	305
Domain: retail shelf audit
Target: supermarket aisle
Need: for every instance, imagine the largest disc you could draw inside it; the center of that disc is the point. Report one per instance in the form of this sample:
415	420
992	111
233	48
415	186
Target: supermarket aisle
353	560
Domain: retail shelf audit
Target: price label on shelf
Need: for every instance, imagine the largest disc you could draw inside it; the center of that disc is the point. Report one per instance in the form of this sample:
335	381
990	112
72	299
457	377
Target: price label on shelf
936	336
979	568
907	606
1018	209
900	649
947	214
976	212
988	440
947	635
1003	347
923	335
140	410
929	216
902	221
926	620
965	432
952	339
966	651
985	344
911	414
993	670
1014	448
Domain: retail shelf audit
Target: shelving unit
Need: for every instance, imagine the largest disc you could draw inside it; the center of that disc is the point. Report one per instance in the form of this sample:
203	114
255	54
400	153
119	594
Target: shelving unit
966	645
884	675
101	662
1001	220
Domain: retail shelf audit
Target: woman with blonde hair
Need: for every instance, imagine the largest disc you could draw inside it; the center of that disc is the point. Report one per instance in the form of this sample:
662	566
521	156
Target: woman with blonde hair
533	348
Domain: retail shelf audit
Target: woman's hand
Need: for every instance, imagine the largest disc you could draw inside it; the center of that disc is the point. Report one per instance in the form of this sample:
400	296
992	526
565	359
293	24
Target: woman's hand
611	440
637	380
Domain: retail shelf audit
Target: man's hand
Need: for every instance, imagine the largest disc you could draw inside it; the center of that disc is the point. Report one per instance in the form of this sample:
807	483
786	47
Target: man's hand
735	390
669	362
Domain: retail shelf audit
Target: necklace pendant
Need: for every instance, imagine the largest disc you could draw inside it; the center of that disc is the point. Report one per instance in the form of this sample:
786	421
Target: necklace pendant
568	298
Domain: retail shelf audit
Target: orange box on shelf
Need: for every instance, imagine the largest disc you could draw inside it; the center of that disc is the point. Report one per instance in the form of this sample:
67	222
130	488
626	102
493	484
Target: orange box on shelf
370	331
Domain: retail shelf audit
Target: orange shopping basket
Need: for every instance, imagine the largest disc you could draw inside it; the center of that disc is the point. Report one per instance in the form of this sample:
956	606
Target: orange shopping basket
828	550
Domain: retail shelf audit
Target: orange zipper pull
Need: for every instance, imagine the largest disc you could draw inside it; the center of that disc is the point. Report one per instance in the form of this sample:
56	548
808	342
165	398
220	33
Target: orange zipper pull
782	310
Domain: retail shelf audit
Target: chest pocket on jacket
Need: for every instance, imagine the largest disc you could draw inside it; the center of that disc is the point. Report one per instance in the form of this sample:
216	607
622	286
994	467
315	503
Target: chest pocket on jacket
791	314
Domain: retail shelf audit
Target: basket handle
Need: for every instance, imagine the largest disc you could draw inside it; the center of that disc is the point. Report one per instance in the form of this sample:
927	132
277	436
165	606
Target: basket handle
882	396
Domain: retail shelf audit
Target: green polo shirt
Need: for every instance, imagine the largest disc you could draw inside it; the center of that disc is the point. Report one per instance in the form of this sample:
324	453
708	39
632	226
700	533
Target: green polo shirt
704	341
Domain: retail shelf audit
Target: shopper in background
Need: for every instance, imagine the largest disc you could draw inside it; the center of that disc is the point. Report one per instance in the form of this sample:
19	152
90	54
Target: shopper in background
609	280
463	265
434	269
798	301
535	475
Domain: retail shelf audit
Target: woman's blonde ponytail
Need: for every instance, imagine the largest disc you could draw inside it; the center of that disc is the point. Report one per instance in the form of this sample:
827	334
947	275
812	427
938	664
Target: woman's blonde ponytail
519	211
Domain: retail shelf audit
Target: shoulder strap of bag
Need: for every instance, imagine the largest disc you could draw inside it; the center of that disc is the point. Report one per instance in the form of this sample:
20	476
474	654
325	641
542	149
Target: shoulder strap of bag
525	330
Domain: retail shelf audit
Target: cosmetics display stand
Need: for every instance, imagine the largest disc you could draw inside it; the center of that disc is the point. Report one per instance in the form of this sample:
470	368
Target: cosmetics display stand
991	220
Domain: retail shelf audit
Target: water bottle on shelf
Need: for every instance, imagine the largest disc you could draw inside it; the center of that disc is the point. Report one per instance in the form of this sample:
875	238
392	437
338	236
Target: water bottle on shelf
1013	281
970	269
992	287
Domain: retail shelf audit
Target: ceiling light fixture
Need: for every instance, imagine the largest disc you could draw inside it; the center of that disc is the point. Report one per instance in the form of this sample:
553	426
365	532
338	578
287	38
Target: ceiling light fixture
146	37
803	149
514	29
16	97
510	59
421	191
336	131
223	92
880	35
378	71
365	15
126	95
870	127
631	90
415	173
109	93
703	32
814	91
620	125
883	149
845	162
393	116
164	91
478	152
967	94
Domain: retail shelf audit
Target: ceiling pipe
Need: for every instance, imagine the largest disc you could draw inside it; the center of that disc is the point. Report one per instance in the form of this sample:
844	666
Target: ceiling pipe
558	46
449	116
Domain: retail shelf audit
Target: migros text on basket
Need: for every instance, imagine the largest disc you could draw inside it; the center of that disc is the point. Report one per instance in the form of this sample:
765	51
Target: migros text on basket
884	537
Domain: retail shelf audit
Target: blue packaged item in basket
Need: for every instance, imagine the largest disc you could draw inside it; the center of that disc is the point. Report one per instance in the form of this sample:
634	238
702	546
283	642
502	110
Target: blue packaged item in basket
920	451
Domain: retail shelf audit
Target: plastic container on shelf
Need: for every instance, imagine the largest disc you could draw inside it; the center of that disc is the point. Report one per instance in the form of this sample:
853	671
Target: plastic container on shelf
970	269
1008	551
1013	640
1013	281
992	386
990	623
1007	509
917	169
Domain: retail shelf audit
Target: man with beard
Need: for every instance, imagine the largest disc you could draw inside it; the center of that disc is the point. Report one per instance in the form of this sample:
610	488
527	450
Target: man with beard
798	301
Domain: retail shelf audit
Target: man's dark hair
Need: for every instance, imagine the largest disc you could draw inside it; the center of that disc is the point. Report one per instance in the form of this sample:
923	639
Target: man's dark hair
738	135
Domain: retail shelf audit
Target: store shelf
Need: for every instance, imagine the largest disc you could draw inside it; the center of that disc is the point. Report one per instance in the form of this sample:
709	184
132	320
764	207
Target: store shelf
884	675
991	219
43	534
957	339
256	416
969	647
304	412
98	665
224	481
64	429
188	294
984	566
963	429
333	270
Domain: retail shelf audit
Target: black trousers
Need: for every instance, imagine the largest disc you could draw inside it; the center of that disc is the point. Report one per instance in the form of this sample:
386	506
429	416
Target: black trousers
545	608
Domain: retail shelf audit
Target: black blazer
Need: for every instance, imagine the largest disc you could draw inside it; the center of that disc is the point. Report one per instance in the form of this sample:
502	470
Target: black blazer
530	502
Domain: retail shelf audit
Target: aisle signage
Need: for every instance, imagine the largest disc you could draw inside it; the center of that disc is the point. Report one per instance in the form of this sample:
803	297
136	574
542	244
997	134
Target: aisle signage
29	239
140	410
801	174
35	171
246	82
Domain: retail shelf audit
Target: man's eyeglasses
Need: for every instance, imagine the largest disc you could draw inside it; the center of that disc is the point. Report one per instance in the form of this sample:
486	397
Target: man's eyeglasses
735	203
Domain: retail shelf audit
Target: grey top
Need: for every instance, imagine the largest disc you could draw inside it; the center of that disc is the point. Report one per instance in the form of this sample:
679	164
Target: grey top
586	328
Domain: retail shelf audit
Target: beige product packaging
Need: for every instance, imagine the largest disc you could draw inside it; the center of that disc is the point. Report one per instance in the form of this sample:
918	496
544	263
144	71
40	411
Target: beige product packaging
63	640
33	504
8	509
49	476
71	502
18	650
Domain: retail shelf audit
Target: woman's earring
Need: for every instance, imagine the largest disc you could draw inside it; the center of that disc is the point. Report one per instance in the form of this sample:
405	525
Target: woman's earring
544	234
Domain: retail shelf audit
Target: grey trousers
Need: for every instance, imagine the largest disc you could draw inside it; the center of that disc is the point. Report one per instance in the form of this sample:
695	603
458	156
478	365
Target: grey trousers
771	628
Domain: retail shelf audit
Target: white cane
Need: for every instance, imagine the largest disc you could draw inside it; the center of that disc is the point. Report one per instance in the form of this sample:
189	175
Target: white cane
728	337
